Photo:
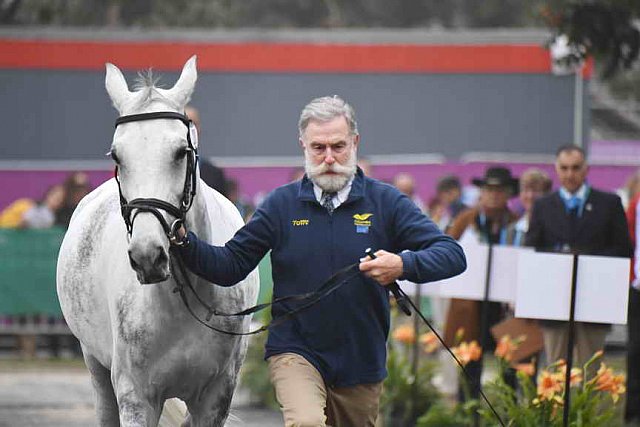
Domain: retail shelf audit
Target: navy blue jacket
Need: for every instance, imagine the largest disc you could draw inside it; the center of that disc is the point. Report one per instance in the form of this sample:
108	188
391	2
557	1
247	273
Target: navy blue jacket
344	335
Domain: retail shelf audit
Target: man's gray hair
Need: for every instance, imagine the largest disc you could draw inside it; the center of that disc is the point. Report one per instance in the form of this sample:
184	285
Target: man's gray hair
325	109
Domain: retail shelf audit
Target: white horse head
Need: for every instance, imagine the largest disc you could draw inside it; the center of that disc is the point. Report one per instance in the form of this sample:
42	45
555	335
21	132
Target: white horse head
152	161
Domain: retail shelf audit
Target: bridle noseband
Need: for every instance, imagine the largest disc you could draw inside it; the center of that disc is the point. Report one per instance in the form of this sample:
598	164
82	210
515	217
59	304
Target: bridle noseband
152	205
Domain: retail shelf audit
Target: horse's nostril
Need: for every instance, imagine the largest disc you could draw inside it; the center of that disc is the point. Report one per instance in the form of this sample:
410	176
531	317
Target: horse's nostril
161	258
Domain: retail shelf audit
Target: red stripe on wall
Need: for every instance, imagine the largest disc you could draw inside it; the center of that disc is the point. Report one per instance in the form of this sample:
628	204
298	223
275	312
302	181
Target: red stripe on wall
275	57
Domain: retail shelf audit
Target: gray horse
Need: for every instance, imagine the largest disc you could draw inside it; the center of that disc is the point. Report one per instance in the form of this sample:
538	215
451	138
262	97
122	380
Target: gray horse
140	343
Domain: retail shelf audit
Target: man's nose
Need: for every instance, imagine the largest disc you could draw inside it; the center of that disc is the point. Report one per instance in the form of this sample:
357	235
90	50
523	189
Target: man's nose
328	157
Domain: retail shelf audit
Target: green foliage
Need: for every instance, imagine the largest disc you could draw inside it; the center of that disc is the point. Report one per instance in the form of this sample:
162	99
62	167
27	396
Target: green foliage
442	415
591	404
604	29
401	388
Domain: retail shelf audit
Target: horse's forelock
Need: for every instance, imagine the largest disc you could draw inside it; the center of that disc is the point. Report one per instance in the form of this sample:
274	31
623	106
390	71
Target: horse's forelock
146	80
147	90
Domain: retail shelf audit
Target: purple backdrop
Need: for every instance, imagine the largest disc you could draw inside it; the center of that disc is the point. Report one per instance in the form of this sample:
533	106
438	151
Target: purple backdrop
260	180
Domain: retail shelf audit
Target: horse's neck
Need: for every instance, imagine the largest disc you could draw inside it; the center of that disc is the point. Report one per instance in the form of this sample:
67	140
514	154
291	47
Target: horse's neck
198	216
197	220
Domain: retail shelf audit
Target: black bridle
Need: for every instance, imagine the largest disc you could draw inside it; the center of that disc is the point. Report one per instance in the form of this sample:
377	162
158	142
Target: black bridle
189	191
152	205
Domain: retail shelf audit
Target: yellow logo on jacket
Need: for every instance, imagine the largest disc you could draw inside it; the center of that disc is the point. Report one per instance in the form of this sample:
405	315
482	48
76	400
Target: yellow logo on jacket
362	222
299	222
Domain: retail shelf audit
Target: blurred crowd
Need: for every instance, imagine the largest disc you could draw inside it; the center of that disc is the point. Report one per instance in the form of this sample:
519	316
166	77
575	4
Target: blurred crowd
499	210
53	209
496	207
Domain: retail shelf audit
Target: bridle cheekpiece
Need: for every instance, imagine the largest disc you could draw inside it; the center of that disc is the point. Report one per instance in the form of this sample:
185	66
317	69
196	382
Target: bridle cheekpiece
152	205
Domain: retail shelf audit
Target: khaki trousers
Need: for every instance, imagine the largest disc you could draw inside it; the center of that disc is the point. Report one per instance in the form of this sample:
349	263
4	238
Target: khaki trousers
589	338
305	400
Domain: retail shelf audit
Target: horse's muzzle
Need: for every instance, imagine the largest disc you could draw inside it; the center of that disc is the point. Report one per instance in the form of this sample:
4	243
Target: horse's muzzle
151	266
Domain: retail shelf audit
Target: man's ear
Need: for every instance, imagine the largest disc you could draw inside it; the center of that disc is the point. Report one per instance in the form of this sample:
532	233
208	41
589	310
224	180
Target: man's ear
356	141
301	142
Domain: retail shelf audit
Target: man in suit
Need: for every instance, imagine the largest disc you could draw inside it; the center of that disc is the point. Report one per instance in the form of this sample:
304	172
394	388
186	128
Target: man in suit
577	218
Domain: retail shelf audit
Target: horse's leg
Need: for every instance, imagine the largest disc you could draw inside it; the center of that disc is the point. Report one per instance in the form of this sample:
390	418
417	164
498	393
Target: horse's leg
212	409
135	409
106	403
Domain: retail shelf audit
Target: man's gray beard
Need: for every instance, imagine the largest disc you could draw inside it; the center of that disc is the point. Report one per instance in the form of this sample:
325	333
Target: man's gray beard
331	183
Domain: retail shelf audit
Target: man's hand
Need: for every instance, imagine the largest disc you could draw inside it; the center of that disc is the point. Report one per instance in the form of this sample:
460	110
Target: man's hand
179	236
385	269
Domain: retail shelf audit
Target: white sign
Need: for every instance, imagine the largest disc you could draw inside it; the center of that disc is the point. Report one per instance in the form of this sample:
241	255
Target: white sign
471	283
544	287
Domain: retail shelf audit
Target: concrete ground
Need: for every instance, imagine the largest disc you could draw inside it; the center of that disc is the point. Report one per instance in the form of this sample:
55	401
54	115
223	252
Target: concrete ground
48	394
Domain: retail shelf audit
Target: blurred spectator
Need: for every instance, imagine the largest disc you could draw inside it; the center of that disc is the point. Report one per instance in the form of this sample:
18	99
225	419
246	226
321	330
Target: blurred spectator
244	207
437	211
470	195
40	216
76	186
534	183
211	174
43	214
449	192
11	216
630	189
632	404
577	219
489	222
406	184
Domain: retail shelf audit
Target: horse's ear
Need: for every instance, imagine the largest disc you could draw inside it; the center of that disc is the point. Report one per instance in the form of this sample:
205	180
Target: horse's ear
116	86
182	90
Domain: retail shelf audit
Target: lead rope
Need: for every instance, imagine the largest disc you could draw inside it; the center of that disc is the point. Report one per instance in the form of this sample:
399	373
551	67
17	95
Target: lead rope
309	299
335	281
478	386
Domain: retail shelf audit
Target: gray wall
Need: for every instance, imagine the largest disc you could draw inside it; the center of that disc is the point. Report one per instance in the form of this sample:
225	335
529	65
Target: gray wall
62	115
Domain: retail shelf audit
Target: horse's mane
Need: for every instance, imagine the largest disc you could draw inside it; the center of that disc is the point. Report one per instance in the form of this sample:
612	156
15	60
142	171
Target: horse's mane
147	91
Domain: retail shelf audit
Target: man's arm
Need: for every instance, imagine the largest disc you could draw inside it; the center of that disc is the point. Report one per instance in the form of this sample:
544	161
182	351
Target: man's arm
227	265
429	254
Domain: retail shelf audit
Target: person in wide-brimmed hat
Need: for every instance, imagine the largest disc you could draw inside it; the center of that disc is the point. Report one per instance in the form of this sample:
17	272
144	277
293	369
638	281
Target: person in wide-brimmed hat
489	221
498	176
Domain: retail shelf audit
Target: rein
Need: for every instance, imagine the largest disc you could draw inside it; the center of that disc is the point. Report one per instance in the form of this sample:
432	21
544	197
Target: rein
154	206
308	299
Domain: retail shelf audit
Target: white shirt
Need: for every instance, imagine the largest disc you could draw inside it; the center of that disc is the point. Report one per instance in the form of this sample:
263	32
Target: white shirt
341	196
580	194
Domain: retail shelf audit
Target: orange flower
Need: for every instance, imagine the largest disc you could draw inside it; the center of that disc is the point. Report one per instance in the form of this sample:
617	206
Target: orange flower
526	368
429	341
405	334
548	386
506	346
576	375
607	381
467	352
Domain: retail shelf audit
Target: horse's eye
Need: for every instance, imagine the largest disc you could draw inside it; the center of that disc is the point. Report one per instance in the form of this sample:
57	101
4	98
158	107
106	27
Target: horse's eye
113	156
181	154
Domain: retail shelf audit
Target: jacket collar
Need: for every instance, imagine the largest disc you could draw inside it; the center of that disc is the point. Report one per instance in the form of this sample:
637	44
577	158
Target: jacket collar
305	191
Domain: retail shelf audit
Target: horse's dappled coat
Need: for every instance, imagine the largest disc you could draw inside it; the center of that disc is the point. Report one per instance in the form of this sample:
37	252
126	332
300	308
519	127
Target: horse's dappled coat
139	342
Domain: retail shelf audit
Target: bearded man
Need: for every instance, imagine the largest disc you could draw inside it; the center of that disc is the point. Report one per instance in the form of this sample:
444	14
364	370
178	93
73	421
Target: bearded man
327	364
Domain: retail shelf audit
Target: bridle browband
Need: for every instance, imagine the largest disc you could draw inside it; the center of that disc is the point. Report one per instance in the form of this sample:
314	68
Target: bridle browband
152	205
306	300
